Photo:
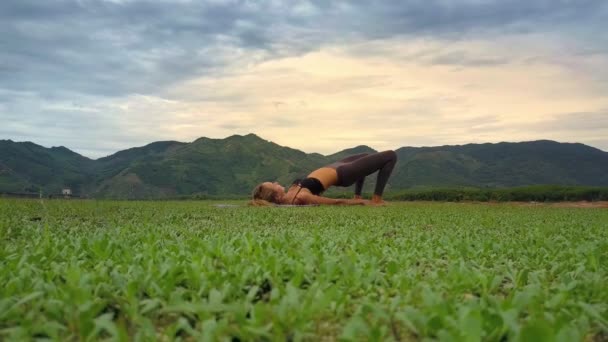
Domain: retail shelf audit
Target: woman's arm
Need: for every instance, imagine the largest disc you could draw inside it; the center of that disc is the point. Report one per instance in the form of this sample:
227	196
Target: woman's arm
313	199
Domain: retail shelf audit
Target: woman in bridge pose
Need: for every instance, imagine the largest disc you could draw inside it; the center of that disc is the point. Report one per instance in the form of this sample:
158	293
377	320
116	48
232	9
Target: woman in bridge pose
345	172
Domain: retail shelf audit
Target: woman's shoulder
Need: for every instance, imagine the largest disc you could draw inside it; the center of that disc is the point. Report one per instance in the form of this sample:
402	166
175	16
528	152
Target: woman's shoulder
296	195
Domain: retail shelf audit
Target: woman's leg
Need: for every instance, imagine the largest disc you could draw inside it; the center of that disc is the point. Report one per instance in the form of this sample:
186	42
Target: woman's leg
360	181
359	187
352	158
356	170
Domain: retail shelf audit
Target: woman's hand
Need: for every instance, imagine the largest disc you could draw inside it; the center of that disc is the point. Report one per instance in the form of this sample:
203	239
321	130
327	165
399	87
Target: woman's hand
358	201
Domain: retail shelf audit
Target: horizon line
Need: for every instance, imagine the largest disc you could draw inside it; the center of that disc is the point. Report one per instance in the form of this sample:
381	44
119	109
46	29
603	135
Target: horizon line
258	136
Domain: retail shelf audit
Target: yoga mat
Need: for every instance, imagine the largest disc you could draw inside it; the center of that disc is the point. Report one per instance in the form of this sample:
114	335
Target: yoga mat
225	205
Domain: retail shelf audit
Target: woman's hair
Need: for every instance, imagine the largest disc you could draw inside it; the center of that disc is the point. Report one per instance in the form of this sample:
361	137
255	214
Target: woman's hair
263	196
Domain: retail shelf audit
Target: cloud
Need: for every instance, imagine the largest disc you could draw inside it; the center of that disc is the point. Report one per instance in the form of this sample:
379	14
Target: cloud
462	59
583	121
111	74
110	49
116	48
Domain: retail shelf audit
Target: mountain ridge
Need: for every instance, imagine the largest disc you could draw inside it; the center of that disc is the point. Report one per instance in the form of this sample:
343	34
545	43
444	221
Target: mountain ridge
350	148
233	165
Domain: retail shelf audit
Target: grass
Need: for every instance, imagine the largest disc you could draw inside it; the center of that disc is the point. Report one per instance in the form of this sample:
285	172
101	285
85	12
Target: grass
90	270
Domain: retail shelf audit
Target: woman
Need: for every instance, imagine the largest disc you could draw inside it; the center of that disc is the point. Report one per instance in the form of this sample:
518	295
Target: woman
345	172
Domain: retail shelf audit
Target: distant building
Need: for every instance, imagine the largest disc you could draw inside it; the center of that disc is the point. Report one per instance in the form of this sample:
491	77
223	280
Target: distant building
66	192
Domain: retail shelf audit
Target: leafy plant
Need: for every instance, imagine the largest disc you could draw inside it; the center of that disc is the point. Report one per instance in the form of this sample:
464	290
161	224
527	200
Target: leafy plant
90	270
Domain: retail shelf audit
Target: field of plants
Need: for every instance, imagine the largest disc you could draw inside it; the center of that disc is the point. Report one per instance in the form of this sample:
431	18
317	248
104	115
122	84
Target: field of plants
192	270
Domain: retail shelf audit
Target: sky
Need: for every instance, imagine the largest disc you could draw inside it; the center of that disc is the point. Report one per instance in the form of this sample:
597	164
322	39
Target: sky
319	76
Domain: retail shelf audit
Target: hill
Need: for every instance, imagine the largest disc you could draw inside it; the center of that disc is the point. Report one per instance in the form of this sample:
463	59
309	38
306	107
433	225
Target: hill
234	165
25	166
502	165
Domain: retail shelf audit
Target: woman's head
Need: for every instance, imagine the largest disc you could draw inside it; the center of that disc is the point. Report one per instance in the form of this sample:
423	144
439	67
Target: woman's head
269	192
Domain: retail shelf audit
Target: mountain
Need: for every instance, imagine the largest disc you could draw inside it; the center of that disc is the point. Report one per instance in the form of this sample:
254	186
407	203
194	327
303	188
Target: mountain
502	165
210	166
26	166
350	151
234	165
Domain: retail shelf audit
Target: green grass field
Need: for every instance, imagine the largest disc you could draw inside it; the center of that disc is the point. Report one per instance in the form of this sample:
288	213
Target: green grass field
90	270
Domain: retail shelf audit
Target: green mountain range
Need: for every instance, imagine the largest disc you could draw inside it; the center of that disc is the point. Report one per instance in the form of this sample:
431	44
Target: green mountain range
234	165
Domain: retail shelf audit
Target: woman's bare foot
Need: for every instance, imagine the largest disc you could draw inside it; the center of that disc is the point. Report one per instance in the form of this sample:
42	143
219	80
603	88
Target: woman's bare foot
357	197
377	200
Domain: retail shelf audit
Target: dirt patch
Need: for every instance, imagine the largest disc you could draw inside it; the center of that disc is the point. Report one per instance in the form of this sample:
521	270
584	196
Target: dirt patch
580	204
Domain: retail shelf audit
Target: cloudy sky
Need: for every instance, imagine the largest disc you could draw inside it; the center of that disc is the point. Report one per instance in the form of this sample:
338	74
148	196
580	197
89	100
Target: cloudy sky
320	76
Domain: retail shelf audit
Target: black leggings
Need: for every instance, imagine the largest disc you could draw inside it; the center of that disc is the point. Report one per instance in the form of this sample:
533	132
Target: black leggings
355	168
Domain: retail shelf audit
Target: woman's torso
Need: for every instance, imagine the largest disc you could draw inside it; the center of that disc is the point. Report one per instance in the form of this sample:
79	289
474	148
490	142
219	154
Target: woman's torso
328	176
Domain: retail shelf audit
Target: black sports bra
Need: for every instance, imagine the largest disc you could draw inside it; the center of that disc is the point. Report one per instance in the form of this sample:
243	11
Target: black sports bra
312	184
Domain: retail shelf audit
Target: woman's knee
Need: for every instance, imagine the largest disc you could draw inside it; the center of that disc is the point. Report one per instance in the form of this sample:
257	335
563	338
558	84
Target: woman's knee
390	154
